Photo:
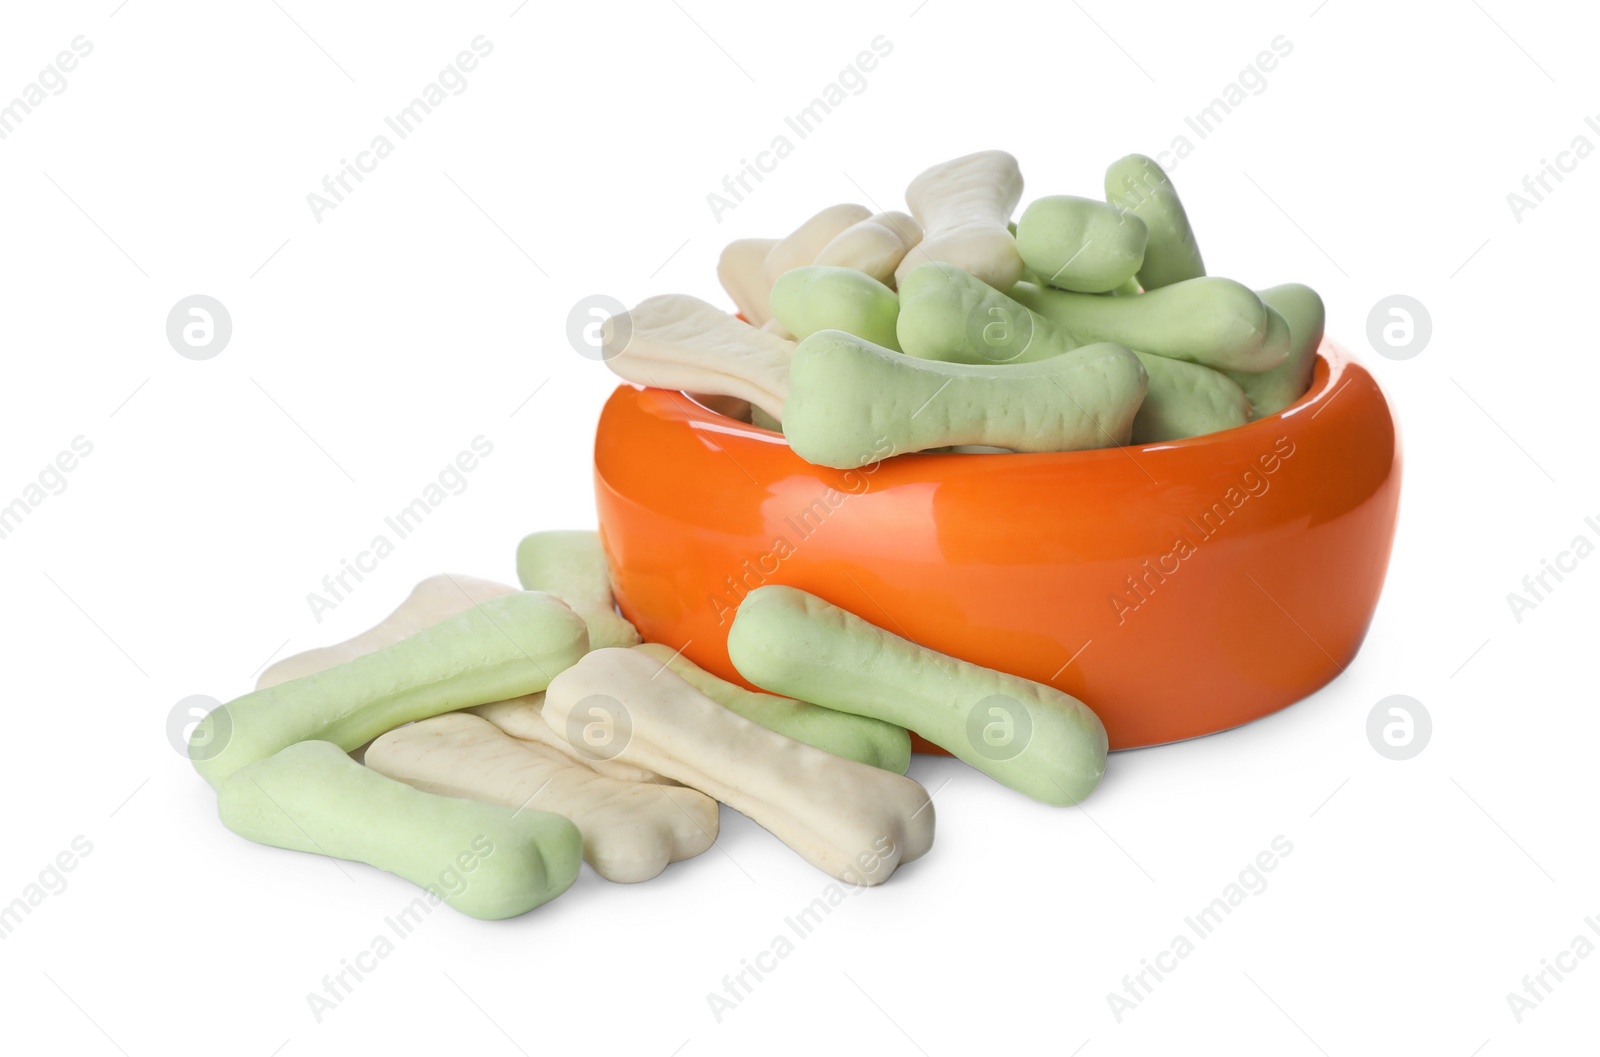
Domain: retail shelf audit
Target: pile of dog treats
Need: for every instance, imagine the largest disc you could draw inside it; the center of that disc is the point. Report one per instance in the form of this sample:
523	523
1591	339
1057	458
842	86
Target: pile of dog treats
1088	323
483	741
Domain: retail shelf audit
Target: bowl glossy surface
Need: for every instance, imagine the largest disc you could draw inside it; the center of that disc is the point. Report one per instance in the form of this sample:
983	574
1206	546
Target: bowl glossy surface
1177	589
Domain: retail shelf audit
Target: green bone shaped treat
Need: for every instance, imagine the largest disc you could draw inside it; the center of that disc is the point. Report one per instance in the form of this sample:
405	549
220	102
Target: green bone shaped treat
1080	243
1023	734
502	648
852	402
819	297
1210	321
1186	400
1139	186
1273	390
572	566
485	860
859	738
946	314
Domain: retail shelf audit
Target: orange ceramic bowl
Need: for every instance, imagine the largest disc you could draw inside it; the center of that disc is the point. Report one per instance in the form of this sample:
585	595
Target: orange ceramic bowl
1177	588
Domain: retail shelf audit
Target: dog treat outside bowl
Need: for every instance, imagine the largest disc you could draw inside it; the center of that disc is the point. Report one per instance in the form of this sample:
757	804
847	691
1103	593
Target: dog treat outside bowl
1178	588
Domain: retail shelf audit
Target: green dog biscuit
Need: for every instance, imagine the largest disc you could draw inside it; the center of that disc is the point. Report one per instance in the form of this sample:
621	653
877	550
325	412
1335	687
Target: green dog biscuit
504	647
817	297
858	738
1273	390
1137	185
851	402
1210	321
1023	734
484	860
572	566
432	600
940	316
1080	244
946	314
1186	400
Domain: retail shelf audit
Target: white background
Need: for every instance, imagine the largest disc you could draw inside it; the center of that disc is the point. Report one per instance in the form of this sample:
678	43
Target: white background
429	308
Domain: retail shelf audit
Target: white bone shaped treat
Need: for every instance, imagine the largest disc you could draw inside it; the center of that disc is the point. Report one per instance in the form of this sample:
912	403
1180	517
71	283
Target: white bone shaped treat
875	246
630	831
433	600
848	819
675	341
963	206
522	717
807	240
742	273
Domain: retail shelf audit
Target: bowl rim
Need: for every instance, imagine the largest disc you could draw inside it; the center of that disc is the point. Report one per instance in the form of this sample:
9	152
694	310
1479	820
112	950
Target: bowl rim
1330	375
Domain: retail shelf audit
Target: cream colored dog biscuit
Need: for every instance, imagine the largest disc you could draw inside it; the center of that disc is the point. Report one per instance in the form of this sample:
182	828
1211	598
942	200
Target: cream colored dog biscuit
869	741
875	246
522	717
742	274
964	206
679	342
807	240
851	820
630	831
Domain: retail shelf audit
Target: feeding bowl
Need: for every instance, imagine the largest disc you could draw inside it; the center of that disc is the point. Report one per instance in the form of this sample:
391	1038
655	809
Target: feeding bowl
1178	588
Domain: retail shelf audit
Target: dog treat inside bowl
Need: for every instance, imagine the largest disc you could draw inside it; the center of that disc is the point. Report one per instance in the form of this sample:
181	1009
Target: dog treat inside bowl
969	287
